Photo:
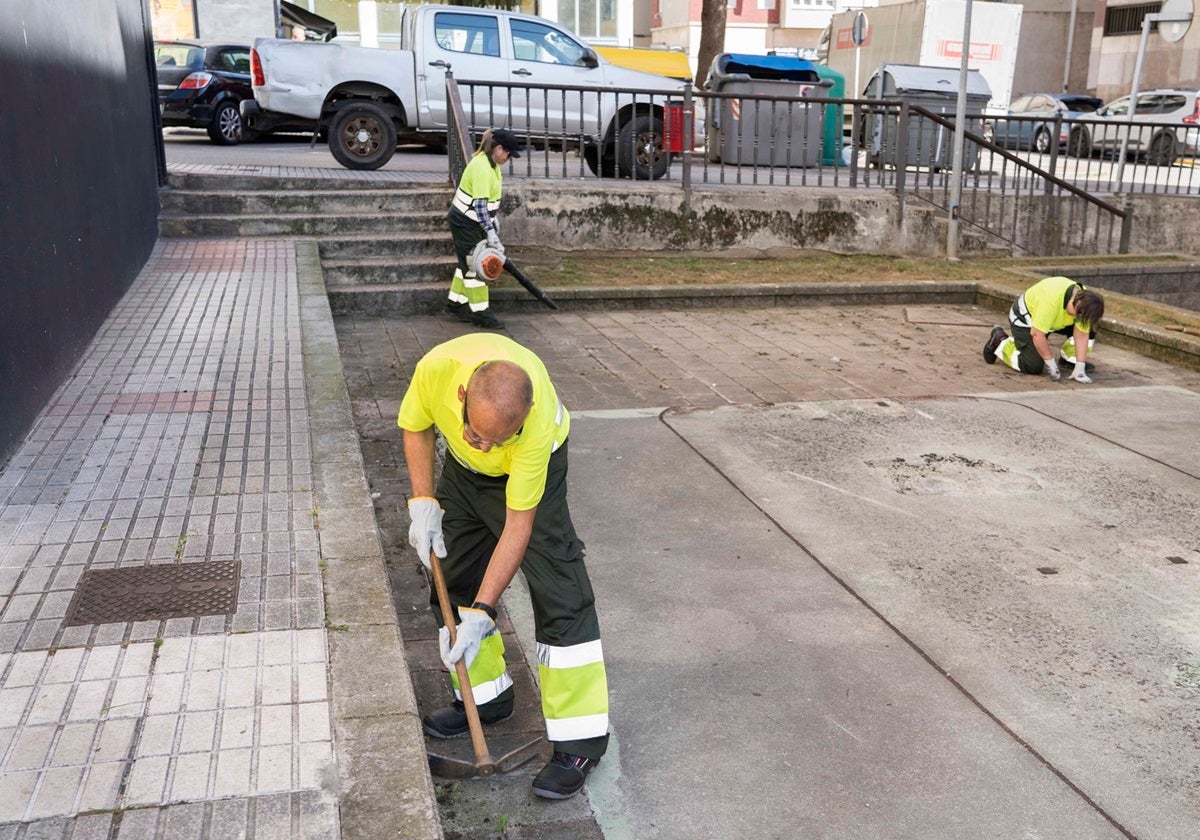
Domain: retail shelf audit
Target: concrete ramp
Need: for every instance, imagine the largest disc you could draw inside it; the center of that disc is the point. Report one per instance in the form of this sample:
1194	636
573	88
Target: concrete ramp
783	589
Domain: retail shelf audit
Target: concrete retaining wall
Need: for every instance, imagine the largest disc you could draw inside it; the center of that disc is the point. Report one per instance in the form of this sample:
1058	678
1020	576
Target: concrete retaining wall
742	220
768	220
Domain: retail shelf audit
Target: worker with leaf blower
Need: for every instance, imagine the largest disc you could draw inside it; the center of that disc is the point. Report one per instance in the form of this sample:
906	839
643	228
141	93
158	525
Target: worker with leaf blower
501	505
1053	305
473	220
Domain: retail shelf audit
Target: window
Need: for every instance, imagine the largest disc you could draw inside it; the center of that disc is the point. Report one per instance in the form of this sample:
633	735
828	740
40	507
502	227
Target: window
1171	102
474	34
236	61
1127	20
589	18
535	42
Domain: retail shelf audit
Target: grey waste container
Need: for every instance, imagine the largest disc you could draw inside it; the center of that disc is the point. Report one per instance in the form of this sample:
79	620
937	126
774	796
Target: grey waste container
786	132
935	89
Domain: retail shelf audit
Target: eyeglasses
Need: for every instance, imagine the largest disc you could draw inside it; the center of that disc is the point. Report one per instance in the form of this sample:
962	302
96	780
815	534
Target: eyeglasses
478	442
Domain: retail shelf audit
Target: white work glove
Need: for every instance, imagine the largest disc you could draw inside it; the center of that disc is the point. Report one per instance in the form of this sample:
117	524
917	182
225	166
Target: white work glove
1052	369
1080	373
475	625
493	241
425	532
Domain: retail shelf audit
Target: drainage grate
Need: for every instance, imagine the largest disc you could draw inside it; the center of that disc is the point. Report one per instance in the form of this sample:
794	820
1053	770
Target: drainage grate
151	593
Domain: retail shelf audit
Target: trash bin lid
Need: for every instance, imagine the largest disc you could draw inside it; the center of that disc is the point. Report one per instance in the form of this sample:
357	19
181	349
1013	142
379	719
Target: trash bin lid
917	79
768	67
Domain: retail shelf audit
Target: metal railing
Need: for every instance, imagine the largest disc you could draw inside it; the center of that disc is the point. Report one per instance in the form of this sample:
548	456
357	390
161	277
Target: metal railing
1012	199
1041	200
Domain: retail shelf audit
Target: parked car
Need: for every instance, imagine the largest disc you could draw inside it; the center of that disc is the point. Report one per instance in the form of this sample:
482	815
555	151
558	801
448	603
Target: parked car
1166	125
1037	112
201	84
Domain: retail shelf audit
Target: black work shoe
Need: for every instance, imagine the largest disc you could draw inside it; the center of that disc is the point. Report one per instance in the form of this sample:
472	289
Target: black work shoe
994	340
459	310
563	776
1088	366
484	318
451	721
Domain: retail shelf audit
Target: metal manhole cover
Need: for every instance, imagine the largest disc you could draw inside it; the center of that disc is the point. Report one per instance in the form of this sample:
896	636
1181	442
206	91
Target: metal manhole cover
152	593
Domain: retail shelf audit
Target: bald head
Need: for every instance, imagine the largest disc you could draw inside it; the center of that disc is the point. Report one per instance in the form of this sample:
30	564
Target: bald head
503	393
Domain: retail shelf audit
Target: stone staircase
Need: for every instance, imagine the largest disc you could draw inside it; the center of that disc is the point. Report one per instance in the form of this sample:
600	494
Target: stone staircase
382	246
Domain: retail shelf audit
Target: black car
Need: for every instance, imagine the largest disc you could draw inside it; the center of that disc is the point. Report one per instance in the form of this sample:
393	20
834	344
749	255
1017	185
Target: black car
201	84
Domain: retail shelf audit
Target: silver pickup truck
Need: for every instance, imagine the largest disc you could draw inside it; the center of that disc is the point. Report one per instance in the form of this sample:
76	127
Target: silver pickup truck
513	70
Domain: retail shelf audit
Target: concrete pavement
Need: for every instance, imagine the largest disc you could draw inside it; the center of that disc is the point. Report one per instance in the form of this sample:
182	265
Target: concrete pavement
822	578
827	617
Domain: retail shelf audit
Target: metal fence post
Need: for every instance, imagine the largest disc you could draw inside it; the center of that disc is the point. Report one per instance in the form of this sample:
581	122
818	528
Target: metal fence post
689	143
900	160
1126	226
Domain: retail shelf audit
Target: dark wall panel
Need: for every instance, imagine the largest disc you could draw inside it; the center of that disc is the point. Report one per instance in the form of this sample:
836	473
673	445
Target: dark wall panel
78	186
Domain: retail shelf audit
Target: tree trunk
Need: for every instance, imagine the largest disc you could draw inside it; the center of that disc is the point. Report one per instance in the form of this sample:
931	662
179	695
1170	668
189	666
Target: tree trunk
712	36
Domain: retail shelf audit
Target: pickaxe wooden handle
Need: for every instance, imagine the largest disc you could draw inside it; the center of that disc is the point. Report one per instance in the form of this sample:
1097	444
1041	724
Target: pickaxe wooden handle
484	765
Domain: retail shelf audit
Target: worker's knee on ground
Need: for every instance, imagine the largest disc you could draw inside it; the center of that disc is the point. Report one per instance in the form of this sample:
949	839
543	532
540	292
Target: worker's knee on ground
1031	362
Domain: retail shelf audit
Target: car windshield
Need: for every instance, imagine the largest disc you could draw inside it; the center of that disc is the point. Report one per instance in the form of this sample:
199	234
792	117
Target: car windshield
178	55
1083	104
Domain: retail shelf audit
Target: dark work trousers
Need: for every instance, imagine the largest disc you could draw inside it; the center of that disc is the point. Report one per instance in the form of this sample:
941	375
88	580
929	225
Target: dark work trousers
563	603
1027	354
467	233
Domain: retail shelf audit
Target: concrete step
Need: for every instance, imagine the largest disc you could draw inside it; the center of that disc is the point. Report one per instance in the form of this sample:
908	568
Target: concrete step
388	271
419	203
434	244
307	224
423	298
338	180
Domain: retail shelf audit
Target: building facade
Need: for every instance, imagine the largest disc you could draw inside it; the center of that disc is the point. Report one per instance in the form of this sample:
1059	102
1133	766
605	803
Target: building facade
1116	35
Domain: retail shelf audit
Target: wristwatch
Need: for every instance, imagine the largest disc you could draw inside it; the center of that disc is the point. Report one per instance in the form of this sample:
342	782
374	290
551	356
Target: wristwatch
487	608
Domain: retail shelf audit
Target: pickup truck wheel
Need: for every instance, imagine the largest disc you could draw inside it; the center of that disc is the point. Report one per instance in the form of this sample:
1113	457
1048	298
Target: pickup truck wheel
640	153
362	136
226	126
603	165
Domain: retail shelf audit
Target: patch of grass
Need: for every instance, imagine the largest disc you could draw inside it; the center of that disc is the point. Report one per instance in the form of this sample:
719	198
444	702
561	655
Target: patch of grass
616	270
642	269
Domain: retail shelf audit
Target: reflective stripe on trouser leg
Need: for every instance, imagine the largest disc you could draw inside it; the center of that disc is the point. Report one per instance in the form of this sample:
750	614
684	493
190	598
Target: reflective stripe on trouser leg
477	291
488	673
458	291
574	691
1068	349
1007	353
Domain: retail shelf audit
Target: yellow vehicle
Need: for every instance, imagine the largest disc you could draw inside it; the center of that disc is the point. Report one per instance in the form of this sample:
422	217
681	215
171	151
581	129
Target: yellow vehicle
670	63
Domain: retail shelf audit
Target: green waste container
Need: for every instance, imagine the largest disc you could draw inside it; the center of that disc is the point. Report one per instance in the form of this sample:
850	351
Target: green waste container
831	140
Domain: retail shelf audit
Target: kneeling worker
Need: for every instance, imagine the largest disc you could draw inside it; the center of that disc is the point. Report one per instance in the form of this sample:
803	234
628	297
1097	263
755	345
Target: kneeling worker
501	505
1052	305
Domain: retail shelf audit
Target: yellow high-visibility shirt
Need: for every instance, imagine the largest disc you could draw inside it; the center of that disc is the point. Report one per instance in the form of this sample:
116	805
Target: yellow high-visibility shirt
1047	310
432	400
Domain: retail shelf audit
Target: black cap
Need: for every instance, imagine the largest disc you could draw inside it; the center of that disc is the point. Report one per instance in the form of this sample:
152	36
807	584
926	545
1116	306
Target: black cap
505	138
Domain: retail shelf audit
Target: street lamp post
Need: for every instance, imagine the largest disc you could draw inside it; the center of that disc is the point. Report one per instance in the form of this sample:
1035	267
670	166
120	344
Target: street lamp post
960	124
1172	12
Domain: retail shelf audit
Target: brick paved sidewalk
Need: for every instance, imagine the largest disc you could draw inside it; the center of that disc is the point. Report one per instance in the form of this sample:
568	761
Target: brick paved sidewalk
182	439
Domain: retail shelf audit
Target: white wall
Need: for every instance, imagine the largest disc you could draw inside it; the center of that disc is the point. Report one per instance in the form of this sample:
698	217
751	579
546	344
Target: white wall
237	20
